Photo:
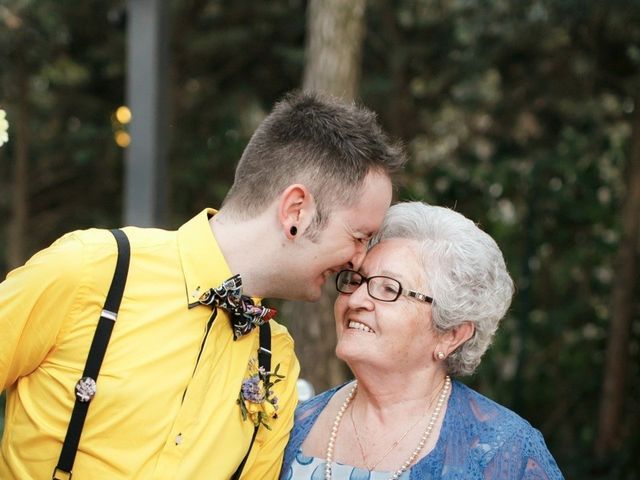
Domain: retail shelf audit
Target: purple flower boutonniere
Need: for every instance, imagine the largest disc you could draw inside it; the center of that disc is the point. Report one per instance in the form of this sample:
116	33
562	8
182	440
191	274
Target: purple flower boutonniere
257	399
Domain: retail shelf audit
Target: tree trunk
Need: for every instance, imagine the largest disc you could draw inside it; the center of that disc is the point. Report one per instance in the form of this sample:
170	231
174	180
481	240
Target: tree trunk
334	46
617	355
313	328
16	249
398	103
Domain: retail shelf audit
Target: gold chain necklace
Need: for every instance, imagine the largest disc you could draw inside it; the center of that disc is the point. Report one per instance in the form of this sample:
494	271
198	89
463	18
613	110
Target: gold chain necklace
423	440
389	450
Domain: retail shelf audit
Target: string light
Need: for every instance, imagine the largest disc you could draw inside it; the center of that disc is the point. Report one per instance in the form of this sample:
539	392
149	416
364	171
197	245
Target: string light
123	139
123	115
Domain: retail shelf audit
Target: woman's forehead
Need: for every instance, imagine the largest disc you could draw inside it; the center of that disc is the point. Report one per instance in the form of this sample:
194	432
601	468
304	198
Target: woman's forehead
394	257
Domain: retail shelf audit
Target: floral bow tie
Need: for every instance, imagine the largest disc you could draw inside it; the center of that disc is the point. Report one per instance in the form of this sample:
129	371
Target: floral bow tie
244	314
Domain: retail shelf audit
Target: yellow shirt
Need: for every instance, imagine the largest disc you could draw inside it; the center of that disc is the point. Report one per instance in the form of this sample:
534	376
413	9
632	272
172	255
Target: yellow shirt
138	425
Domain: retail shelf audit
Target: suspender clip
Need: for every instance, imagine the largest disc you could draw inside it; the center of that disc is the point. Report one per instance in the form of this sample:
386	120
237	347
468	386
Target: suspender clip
59	474
264	350
109	315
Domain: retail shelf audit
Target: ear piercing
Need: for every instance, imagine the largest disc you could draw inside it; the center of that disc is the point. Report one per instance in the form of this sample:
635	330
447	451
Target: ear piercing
440	355
293	230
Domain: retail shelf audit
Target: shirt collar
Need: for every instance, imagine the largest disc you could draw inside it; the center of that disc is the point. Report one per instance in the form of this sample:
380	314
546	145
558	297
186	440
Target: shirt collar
203	263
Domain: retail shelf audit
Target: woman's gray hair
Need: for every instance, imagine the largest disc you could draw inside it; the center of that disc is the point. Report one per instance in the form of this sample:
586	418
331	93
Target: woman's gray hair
465	270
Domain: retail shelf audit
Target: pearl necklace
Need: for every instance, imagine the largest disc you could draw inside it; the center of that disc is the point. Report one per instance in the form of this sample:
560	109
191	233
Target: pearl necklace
423	440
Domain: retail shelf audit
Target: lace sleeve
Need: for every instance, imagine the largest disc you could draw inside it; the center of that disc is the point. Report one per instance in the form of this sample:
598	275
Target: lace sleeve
523	456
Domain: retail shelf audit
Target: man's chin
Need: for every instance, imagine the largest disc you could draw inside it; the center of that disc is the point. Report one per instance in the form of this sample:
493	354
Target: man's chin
312	293
314	297
310	296
315	294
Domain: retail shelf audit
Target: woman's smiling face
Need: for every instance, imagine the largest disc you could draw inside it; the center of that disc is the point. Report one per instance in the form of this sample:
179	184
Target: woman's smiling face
391	334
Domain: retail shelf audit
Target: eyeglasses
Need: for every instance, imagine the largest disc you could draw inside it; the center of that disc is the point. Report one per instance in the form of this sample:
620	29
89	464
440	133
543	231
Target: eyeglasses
385	289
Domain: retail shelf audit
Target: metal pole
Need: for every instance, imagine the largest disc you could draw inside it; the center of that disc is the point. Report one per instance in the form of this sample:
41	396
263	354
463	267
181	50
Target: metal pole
146	156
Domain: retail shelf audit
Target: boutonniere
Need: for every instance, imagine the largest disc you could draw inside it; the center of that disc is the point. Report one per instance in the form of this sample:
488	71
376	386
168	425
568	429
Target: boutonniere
257	399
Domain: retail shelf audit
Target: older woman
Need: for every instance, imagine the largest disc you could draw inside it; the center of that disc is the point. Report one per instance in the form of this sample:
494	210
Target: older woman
424	305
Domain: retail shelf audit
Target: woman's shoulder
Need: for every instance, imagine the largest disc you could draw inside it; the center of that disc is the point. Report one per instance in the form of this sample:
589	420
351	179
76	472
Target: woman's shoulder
310	409
305	417
489	413
493	428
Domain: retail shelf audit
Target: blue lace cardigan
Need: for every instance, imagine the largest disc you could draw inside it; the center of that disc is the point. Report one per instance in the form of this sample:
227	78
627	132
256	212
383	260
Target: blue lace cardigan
479	439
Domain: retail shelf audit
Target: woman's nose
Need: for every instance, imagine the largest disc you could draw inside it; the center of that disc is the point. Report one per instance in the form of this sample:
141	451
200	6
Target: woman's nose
360	297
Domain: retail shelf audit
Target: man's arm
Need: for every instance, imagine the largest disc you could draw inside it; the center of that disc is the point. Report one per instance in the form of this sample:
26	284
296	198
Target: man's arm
33	302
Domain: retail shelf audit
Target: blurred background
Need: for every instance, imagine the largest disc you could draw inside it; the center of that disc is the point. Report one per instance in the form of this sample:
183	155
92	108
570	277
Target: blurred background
522	115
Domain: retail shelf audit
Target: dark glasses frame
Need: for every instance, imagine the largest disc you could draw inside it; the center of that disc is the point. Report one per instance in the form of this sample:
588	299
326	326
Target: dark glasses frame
342	275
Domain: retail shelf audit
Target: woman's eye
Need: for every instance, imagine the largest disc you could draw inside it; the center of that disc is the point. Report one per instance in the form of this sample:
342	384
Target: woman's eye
390	288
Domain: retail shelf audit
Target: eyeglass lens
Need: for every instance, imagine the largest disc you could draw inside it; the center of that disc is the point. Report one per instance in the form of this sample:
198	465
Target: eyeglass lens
379	287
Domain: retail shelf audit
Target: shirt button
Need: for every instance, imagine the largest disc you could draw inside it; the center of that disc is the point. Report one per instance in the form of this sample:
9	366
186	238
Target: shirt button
179	439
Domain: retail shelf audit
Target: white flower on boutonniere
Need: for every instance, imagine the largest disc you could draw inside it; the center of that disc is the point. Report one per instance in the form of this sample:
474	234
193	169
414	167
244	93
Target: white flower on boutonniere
4	128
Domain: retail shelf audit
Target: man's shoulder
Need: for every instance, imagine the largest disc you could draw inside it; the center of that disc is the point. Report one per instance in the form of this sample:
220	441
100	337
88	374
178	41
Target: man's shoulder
282	346
89	249
67	255
279	332
82	238
150	237
101	240
102	237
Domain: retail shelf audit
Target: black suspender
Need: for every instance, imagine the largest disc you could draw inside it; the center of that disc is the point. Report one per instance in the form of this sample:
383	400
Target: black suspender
264	360
86	386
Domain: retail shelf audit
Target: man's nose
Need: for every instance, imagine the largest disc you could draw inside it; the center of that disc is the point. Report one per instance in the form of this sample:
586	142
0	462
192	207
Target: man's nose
358	258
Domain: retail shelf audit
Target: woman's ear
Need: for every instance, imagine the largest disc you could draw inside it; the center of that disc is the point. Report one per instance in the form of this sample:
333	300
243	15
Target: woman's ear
296	209
453	338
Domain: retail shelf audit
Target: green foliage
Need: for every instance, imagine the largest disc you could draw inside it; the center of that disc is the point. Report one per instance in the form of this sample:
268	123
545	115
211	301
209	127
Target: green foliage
518	115
59	72
232	61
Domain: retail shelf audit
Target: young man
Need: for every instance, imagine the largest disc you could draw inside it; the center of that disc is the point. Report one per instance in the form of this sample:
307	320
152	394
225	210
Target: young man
177	395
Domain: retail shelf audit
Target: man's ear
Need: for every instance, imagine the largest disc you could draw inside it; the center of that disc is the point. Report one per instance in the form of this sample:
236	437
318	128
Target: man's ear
296	209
